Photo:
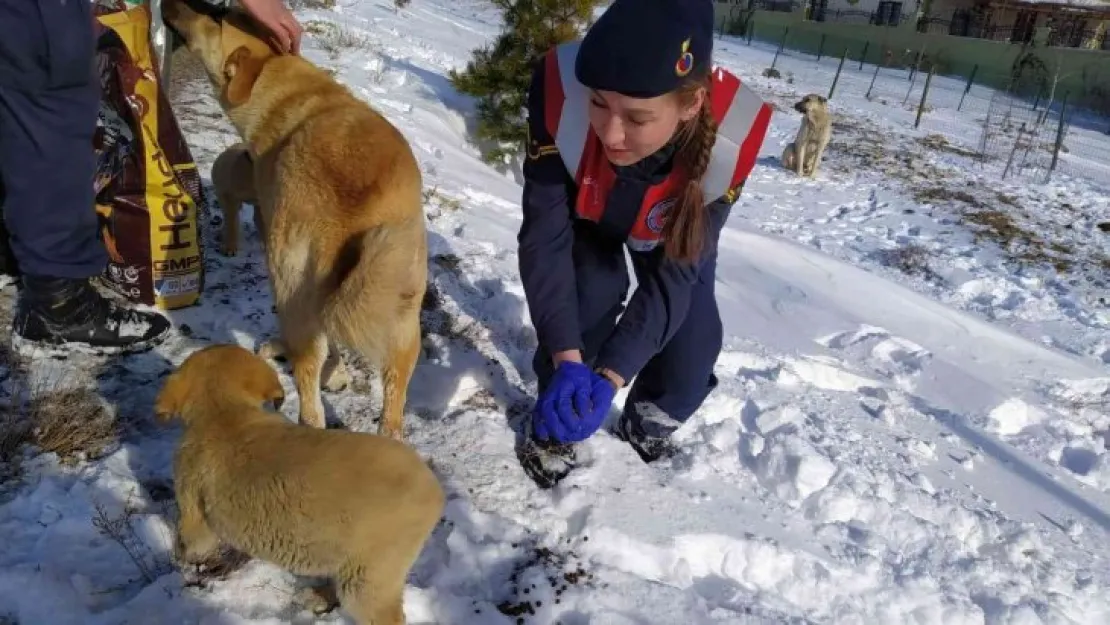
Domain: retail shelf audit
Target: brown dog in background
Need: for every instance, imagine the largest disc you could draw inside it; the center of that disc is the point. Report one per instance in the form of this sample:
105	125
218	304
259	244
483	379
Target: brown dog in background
805	153
340	199
233	180
355	507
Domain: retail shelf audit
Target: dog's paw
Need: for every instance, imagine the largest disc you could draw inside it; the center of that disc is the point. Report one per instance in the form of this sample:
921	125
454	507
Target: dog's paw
318	599
395	433
216	565
338	379
229	248
273	348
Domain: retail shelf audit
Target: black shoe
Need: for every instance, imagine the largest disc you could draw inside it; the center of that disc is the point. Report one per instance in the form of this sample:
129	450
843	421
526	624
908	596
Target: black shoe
546	463
57	311
649	448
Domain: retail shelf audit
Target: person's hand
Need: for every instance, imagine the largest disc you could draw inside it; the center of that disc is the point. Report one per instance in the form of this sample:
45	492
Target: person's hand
279	20
574	405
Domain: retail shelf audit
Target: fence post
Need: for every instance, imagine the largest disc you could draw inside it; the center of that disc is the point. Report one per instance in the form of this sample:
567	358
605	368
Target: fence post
1059	136
751	28
863	55
843	56
924	95
873	77
821	47
724	20
916	64
913	83
782	44
970	81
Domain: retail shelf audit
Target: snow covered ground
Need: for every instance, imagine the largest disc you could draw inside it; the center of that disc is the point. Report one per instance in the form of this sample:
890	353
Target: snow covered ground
911	425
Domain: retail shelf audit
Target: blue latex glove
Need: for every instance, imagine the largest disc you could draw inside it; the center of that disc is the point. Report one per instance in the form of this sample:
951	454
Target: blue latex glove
574	404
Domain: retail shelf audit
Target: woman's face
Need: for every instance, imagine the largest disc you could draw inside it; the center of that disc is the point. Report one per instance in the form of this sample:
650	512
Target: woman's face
633	128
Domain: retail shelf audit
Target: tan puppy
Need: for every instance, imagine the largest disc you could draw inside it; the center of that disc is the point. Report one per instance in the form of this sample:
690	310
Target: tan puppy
339	193
354	507
805	153
233	180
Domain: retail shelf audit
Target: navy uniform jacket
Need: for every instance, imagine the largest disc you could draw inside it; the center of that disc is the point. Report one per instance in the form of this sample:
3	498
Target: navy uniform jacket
661	301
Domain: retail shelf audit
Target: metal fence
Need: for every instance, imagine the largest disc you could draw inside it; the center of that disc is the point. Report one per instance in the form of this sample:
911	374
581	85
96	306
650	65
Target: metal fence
957	23
1028	129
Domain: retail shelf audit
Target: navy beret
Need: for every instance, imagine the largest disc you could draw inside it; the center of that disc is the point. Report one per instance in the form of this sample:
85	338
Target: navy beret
645	48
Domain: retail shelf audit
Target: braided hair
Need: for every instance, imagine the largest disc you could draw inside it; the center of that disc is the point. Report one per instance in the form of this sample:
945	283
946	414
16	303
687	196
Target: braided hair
685	228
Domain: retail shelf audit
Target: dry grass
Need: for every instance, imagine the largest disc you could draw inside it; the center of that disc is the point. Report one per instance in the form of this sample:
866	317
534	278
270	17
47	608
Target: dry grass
433	195
941	144
912	260
51	416
335	38
325	5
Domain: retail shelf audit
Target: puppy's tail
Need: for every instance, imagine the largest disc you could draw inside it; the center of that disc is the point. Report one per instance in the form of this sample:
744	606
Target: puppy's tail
379	280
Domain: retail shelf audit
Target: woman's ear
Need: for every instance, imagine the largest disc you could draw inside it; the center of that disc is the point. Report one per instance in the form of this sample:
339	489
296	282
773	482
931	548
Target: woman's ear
692	110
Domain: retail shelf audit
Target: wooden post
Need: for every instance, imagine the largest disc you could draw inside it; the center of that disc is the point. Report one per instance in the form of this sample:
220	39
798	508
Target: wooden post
782	44
873	77
967	88
843	56
751	28
863	55
821	47
924	95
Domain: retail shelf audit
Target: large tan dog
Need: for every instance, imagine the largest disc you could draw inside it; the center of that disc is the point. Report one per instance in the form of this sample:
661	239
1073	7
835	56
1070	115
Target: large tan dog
233	180
354	507
805	153
339	194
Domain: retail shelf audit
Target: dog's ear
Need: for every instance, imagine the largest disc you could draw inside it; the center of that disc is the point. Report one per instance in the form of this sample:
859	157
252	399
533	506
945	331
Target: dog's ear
171	399
261	381
822	99
241	71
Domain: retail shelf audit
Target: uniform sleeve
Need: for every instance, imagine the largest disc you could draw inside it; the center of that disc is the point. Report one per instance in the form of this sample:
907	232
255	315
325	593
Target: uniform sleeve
546	236
660	302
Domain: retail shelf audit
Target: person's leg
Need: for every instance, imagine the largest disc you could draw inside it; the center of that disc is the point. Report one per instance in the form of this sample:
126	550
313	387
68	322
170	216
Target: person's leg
673	385
9	268
47	164
49	99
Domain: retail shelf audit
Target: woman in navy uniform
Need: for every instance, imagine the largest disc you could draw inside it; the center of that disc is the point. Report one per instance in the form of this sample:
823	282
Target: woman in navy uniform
634	141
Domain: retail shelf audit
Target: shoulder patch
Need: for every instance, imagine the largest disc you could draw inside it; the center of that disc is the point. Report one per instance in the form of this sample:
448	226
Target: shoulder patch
536	150
734	193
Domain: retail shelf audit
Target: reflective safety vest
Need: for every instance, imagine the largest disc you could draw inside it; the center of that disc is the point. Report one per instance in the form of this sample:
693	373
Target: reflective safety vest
742	120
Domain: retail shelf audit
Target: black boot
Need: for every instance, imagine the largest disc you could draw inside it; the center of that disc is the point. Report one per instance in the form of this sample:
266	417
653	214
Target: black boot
649	448
57	311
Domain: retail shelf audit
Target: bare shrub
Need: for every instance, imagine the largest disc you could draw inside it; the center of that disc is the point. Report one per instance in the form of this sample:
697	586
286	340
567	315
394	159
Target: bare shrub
120	529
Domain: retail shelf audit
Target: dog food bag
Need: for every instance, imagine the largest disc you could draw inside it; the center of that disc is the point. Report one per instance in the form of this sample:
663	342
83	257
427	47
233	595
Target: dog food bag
148	189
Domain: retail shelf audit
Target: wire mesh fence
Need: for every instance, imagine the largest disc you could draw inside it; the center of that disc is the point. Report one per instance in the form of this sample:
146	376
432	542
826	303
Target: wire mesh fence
1016	124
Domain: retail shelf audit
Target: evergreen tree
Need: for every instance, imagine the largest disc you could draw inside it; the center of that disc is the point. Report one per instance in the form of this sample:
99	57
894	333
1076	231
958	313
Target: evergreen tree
499	74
